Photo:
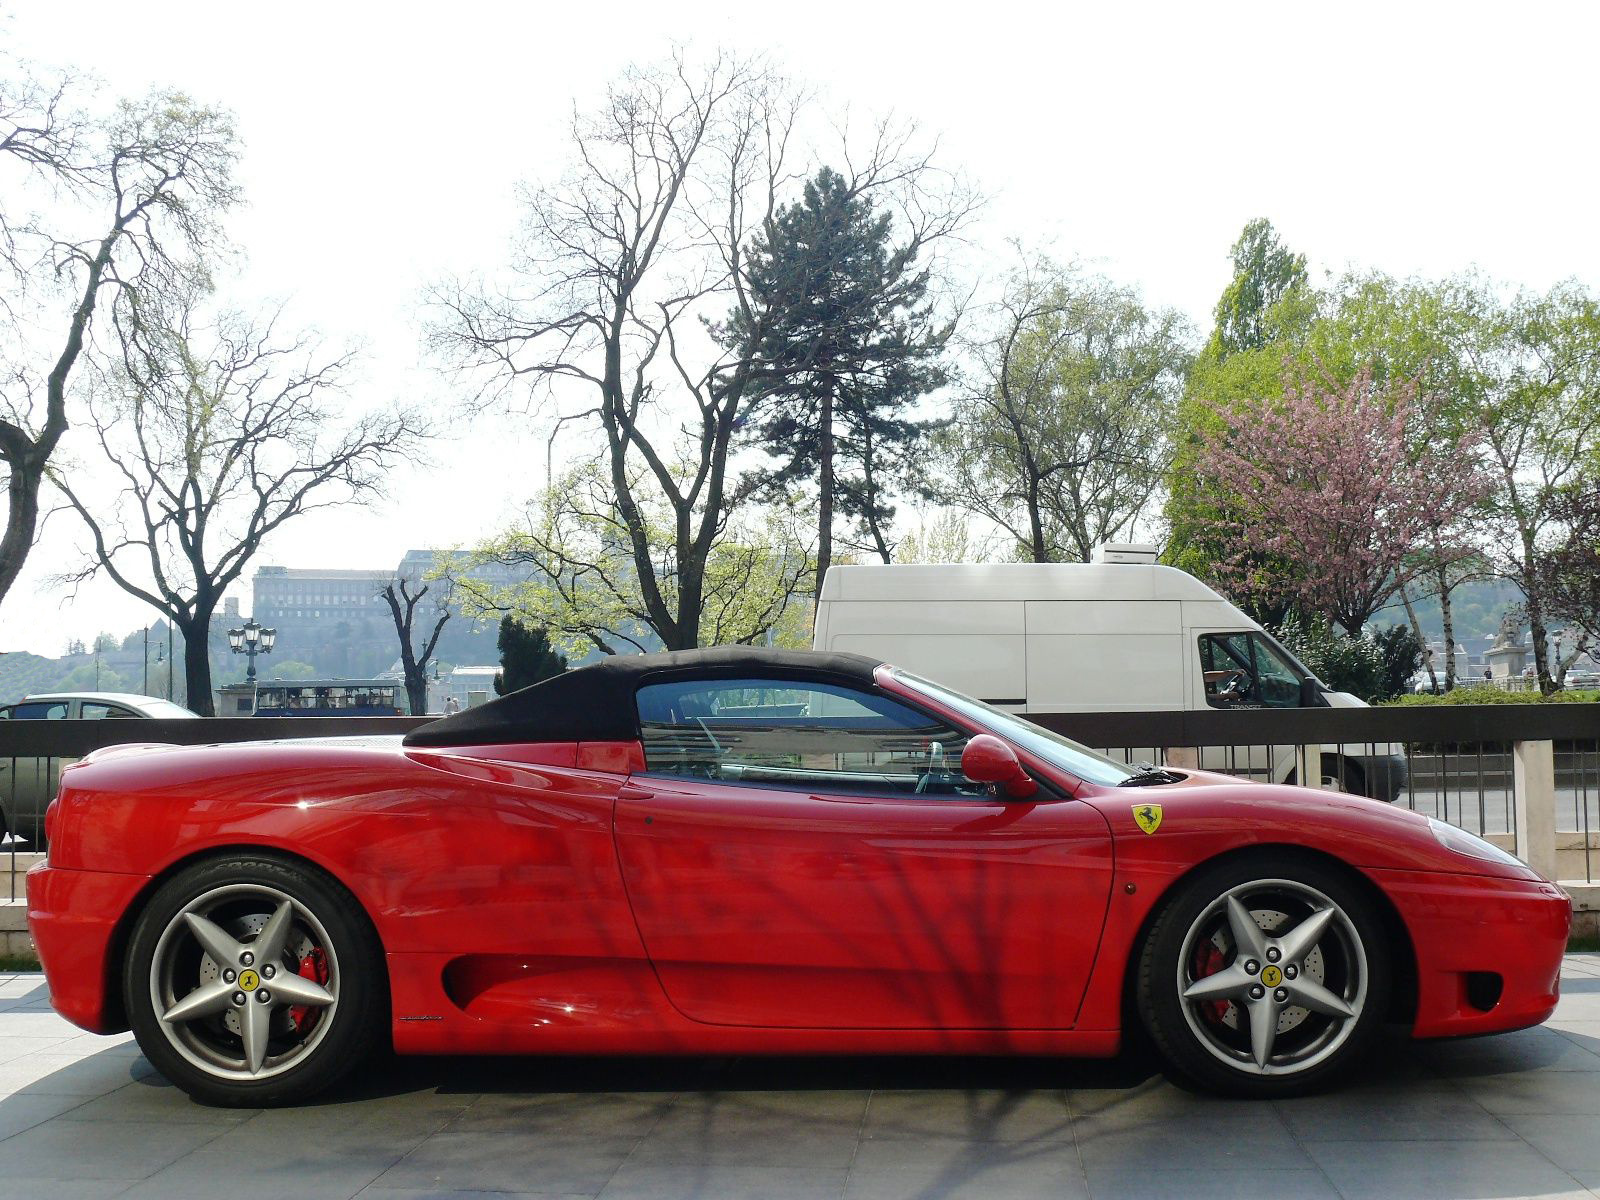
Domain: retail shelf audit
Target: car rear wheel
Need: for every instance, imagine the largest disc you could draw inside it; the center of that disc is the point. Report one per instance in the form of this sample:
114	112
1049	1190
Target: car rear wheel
254	982
1265	976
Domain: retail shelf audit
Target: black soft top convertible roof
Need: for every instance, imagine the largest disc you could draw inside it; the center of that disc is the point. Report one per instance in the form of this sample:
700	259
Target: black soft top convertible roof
596	703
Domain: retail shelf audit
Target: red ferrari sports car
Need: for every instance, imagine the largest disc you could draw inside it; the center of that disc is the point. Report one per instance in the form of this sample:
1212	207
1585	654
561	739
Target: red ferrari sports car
767	852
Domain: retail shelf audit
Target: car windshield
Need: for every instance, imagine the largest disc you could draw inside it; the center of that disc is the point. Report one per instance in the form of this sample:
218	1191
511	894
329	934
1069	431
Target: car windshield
1052	747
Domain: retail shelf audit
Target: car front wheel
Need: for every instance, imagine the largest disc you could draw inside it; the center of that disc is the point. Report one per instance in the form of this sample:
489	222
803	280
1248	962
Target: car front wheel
254	982
1265	976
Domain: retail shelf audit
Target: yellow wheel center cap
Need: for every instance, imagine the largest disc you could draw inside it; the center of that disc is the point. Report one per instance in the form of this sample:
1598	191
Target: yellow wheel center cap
1271	976
249	980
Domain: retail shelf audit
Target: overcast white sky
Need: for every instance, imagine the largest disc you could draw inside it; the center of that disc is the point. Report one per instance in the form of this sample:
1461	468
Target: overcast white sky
383	142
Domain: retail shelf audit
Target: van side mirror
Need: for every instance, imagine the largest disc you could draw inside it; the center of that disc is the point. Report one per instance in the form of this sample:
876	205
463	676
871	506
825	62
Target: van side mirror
987	759
1311	694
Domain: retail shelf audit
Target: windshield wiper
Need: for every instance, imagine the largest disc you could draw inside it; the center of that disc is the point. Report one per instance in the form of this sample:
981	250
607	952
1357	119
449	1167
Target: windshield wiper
1149	775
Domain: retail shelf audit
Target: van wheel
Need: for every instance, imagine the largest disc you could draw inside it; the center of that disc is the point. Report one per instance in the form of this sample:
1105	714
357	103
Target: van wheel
1265	977
1338	775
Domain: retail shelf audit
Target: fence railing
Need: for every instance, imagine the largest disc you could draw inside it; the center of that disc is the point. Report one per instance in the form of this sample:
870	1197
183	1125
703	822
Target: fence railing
1525	776
32	754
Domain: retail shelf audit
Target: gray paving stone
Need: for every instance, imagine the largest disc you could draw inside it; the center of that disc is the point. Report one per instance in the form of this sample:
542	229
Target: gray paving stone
983	1116
1535	1092
1527	1049
46	1074
129	1152
1430	1170
764	1147
65	1189
1136	1183
154	1099
703	1182
16	1047
1571	1141
24	1112
374	1192
315	1160
501	1161
984	1179
600	1114
1428	1112
958	1156
1259	1139
1519	1115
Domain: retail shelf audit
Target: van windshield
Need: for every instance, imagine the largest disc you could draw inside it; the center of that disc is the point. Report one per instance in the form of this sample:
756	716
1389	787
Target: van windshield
1065	753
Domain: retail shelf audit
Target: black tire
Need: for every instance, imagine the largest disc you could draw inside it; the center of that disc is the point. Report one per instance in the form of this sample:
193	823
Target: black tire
1209	1041
316	1045
1350	776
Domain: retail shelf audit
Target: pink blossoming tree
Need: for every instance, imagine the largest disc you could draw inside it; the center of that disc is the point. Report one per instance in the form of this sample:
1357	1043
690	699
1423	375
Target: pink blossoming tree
1337	494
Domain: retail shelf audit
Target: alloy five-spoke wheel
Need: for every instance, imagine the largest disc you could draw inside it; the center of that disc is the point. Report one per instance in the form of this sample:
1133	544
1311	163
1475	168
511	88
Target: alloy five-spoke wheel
1265	980
253	981
246	981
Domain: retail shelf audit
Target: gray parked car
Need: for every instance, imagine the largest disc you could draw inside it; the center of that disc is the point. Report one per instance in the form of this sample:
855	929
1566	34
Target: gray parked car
27	783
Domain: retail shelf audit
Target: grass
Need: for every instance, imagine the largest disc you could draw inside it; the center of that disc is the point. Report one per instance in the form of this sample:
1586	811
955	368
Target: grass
19	962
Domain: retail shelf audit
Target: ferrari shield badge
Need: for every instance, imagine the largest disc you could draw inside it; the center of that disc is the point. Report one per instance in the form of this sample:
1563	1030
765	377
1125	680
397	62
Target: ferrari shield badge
1147	817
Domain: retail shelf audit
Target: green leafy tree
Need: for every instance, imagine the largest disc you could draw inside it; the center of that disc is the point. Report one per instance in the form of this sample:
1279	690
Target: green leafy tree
1263	320
1346	664
1063	435
526	657
843	339
1265	273
582	589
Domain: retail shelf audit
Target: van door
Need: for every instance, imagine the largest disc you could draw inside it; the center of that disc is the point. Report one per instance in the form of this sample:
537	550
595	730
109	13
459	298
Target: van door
1238	668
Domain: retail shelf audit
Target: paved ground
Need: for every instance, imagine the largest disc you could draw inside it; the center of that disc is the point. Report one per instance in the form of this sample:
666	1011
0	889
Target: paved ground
84	1117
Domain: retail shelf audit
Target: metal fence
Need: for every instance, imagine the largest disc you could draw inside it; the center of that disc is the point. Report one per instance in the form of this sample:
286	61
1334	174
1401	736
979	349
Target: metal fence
1526	776
1459	763
32	754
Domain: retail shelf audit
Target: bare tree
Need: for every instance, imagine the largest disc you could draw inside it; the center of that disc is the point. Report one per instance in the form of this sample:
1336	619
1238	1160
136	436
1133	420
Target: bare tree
217	436
625	265
152	177
403	608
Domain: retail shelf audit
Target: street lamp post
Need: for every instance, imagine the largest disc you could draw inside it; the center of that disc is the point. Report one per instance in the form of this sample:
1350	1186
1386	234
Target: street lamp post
251	640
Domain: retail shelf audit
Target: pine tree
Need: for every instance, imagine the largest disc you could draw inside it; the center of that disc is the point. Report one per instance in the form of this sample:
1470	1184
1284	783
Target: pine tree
525	657
844	341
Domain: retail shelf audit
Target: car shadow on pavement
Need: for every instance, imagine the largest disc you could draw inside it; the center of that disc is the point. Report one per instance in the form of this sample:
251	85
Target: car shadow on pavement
391	1075
1397	1061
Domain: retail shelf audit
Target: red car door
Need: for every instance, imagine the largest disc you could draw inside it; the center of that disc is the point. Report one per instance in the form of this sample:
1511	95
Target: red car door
786	870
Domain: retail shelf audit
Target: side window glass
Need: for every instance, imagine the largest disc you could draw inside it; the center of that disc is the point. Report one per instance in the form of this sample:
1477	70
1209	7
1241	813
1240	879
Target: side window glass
1277	682
799	737
94	711
1227	669
41	710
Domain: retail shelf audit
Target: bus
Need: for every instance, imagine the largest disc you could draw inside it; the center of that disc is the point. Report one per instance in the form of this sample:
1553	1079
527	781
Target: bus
314	698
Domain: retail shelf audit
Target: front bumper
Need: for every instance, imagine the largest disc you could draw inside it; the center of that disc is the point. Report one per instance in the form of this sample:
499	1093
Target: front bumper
73	917
1466	928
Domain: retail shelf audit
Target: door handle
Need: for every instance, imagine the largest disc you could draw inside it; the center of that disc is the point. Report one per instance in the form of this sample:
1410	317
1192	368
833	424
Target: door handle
631	791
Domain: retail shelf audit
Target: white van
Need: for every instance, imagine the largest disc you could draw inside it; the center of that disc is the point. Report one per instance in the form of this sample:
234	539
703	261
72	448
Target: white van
1121	634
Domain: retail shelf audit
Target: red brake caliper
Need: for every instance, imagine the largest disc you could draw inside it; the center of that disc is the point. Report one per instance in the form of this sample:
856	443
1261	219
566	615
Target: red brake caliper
314	967
1208	960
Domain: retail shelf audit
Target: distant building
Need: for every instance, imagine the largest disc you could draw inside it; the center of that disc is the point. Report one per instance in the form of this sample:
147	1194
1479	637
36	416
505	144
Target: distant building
334	619
337	621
